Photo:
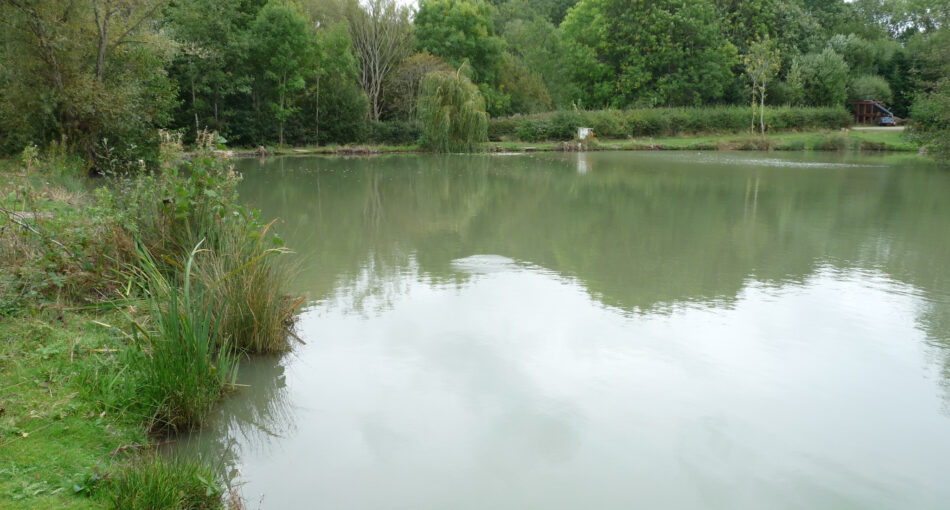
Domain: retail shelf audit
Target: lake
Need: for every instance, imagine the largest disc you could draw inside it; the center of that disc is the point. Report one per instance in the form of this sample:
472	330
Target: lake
601	330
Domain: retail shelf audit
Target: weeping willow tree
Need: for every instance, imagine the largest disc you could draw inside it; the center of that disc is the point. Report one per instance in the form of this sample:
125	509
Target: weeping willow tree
452	112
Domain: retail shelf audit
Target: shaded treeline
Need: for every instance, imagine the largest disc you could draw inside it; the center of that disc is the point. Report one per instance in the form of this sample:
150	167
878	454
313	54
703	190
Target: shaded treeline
100	75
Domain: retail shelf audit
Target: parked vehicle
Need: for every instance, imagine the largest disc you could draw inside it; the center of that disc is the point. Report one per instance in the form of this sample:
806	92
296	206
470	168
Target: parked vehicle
886	121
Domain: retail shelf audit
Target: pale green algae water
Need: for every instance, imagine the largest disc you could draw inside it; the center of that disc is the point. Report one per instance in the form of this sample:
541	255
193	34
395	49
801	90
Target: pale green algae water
605	330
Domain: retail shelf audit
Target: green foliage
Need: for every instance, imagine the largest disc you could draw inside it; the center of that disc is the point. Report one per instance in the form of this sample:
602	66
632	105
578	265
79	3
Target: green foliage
56	245
867	87
551	11
191	311
209	64
154	483
819	79
325	71
540	47
395	132
452	113
245	282
562	125
525	88
281	49
76	74
336	106
401	90
179	366
789	24
462	31
669	52
862	56
931	119
761	64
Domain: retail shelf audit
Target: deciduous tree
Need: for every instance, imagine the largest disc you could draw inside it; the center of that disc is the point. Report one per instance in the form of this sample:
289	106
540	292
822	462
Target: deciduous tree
462	31
452	112
282	52
819	79
382	37
654	52
86	71
761	63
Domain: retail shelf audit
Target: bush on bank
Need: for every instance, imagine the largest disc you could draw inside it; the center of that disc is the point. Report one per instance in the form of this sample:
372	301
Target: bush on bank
562	125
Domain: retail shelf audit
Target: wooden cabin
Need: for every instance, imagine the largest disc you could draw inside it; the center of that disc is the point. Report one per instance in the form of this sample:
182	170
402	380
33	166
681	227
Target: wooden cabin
868	112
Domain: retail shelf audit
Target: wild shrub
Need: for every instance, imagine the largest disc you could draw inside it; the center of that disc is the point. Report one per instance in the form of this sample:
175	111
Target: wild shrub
931	119
56	244
832	142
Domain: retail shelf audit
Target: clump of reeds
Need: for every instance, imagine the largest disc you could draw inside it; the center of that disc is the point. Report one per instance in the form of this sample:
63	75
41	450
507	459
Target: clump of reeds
153	483
246	281
183	363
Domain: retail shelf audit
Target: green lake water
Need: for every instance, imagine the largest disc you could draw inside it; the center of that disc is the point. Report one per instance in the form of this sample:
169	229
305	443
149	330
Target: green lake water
605	331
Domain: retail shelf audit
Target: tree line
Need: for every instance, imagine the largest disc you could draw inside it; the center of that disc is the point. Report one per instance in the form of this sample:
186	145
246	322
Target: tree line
99	76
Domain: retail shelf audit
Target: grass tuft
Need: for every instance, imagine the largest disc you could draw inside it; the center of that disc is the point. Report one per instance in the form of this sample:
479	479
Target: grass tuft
154	483
246	281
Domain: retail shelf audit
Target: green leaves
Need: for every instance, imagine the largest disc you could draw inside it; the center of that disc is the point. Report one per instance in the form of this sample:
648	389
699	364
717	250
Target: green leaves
668	52
452	112
282	51
462	32
819	79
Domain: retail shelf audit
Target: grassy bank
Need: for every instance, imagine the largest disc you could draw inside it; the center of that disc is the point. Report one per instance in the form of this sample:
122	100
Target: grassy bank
821	140
813	140
125	303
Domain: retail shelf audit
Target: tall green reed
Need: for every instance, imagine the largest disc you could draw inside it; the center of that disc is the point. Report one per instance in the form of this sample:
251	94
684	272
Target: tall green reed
184	364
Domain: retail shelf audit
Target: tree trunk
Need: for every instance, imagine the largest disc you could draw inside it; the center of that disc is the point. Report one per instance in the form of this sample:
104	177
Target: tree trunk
194	105
316	114
281	118
762	108
752	125
102	24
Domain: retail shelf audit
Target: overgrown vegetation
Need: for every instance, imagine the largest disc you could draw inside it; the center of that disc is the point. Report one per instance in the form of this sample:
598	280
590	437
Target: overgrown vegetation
140	292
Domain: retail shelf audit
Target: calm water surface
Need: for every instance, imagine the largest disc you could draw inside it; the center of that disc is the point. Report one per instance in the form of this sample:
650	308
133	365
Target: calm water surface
607	330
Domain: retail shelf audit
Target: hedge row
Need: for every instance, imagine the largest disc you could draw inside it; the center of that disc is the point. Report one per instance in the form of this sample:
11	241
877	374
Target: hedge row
562	125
